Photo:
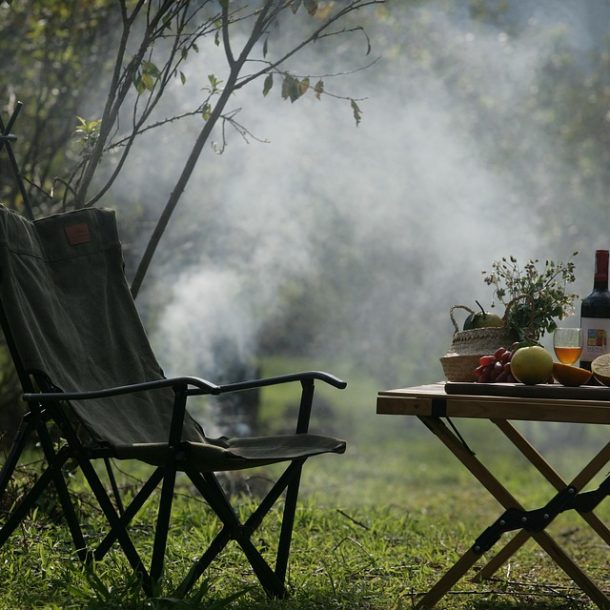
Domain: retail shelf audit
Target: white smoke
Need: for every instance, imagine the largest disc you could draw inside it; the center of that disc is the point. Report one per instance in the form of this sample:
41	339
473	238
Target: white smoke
408	207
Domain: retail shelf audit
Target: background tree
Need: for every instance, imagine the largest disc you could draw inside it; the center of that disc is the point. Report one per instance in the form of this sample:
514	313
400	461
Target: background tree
153	43
53	57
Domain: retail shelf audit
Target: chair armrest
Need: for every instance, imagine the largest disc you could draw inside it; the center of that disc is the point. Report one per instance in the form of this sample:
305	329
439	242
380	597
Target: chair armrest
307	390
267	381
202	387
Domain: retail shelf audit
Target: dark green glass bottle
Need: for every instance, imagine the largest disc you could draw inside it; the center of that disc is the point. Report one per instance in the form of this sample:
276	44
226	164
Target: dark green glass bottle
595	314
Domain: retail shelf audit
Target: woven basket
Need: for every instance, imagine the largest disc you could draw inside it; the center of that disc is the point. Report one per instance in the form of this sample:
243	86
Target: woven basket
459	368
468	346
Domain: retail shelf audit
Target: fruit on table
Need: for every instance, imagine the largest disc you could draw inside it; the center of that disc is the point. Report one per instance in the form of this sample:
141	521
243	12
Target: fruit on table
572	376
495	368
531	365
482	319
601	369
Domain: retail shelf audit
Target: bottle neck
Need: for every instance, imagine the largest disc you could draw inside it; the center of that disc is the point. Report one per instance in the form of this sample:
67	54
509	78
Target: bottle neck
600	281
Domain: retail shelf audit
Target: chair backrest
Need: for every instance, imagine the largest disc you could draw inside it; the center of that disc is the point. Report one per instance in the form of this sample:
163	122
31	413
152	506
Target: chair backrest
69	316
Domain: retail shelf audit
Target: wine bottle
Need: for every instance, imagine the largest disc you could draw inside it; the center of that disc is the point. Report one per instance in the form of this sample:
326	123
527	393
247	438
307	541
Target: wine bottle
595	314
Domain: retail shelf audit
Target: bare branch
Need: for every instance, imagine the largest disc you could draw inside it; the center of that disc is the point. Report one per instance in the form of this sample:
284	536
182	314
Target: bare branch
225	34
121	83
200	142
315	35
136	10
269	70
155	95
241	129
89	167
123	141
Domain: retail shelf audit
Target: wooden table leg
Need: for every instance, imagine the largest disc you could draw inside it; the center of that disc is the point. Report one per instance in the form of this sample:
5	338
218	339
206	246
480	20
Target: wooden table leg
549	473
507	500
567	564
462	565
498	560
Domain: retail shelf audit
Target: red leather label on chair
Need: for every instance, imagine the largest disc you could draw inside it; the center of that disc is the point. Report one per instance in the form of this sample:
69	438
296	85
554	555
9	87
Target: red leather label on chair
78	234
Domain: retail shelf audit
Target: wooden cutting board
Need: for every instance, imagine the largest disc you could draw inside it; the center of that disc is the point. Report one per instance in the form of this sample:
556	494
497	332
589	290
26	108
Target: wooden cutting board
543	390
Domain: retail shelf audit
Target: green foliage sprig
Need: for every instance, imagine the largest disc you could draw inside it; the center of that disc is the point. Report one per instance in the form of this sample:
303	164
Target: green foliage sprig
534	299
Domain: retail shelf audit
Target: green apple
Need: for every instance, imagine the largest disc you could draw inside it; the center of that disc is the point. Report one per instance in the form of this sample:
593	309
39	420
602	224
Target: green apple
482	319
531	365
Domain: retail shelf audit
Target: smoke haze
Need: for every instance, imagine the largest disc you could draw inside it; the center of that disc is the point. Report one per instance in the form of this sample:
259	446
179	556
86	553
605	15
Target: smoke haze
392	221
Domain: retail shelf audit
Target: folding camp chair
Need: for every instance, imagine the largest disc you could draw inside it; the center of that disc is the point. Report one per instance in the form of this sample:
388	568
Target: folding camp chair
87	368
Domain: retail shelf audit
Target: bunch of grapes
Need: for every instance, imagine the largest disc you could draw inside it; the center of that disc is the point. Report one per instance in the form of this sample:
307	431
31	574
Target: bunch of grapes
495	368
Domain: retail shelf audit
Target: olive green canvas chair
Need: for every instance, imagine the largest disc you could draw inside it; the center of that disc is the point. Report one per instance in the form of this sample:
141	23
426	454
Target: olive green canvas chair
87	370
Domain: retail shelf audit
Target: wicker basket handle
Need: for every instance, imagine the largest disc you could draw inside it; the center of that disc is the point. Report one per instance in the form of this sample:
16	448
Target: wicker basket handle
455	325
521	297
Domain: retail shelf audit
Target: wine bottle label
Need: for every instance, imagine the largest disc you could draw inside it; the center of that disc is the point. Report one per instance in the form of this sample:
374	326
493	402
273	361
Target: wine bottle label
595	337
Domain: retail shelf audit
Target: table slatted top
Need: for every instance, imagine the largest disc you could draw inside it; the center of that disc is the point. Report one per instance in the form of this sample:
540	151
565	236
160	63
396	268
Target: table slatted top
546	402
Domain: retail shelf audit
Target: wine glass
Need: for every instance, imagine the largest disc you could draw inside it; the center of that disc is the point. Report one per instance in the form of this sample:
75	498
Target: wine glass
567	343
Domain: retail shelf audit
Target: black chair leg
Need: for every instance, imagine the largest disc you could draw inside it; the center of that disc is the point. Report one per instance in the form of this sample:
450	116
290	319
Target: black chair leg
116	525
198	568
273	582
114	486
53	473
24	430
269	580
24	506
290	503
241	534
55	465
130	512
163	517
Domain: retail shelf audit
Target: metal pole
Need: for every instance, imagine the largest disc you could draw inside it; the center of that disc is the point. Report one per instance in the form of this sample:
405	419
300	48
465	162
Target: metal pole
6	139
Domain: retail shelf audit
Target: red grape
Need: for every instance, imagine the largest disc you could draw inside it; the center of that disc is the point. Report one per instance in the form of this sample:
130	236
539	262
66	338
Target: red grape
499	353
495	368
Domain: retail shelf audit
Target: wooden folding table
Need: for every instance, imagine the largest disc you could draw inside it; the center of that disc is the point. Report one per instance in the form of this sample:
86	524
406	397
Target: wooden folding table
499	404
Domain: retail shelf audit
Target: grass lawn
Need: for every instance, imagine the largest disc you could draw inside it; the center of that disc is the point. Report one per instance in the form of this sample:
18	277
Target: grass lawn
375	527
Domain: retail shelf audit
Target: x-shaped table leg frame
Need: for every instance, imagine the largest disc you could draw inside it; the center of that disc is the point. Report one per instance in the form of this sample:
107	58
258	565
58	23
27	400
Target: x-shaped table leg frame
549	473
509	502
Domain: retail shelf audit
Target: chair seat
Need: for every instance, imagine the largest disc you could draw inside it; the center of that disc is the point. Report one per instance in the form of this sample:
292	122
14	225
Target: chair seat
234	453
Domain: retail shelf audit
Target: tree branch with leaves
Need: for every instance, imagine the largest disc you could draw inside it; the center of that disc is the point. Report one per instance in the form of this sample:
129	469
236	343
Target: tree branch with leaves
264	18
153	44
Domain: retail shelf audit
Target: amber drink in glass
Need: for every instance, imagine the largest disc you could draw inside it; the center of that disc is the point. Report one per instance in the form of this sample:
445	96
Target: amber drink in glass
567	343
